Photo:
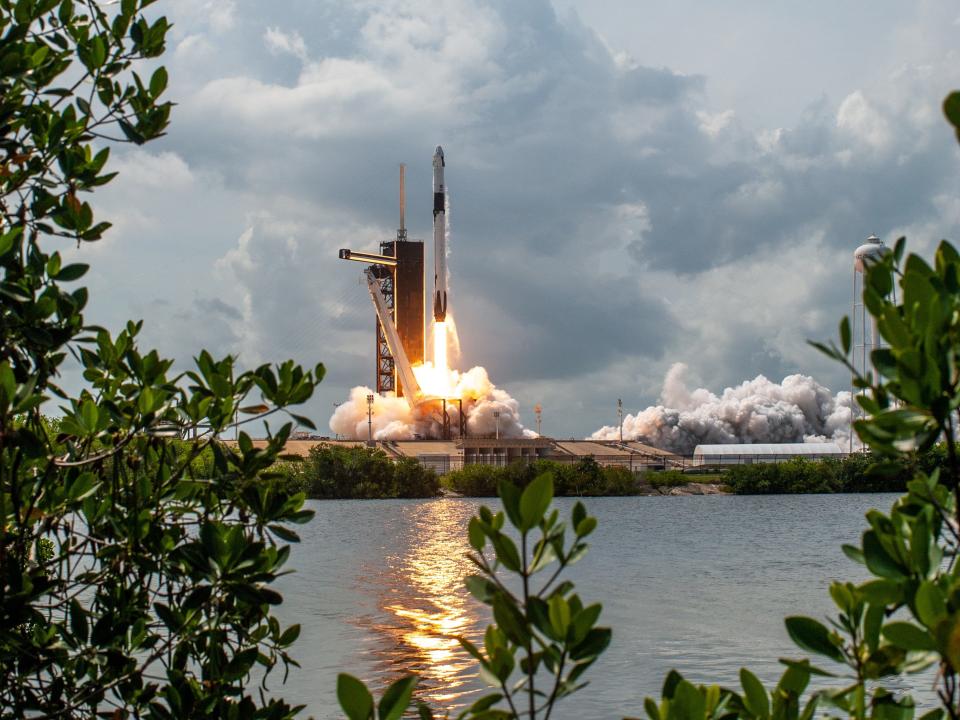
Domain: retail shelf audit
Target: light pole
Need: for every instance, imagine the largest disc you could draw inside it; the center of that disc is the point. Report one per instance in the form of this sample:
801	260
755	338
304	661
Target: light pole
496	416
370	442
620	416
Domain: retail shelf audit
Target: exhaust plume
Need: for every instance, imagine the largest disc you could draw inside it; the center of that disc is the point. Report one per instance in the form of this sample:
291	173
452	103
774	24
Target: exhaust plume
798	409
393	419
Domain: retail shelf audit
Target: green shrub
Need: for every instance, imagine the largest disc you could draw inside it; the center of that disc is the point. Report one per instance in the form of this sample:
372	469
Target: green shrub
584	478
855	473
413	480
474	480
336	472
136	569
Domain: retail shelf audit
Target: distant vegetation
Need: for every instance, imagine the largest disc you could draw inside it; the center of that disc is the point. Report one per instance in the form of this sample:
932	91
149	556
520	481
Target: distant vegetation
856	473
334	472
585	477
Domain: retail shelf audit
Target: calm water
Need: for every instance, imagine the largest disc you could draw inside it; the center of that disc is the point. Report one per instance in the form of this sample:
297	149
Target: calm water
700	584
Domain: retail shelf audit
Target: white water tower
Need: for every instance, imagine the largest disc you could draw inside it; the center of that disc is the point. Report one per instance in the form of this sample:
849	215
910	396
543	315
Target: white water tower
864	340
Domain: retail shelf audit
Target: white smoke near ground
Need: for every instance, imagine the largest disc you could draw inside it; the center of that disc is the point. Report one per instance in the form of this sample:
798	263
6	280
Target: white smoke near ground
798	409
394	419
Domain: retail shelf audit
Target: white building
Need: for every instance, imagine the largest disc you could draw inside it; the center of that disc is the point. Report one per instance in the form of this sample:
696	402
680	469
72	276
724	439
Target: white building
744	454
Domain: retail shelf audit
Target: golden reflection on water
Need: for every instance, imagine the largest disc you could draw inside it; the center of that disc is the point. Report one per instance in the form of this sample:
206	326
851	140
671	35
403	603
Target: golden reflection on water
425	607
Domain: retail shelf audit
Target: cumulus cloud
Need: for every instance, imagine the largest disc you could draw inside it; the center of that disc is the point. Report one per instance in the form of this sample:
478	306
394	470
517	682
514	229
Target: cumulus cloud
864	122
285	42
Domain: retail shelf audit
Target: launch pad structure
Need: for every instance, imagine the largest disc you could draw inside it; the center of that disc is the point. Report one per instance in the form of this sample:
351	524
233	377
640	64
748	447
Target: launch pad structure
399	273
396	281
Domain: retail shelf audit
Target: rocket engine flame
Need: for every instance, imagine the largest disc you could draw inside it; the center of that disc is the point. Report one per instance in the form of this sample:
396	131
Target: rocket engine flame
393	419
435	378
440	347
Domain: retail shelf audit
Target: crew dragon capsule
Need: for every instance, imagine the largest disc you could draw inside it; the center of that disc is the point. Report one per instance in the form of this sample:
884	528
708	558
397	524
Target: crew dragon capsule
439	238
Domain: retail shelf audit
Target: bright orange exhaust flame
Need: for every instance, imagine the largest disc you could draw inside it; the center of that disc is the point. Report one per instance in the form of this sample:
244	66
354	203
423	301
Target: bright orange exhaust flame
436	378
440	347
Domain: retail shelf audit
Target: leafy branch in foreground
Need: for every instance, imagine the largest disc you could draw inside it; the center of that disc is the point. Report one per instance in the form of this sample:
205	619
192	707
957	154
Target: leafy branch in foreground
130	586
544	637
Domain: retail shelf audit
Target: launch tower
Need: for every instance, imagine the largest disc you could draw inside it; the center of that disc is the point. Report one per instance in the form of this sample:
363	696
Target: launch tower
399	271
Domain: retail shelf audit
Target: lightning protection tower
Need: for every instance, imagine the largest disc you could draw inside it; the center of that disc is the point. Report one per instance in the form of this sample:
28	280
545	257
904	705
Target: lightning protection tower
864	332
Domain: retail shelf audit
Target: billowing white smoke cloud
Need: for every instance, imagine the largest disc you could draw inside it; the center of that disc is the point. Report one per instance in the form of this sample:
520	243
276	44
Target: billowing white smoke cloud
798	409
393	419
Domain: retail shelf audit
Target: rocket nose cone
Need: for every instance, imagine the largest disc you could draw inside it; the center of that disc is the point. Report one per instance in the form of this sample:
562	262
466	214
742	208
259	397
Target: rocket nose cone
438	155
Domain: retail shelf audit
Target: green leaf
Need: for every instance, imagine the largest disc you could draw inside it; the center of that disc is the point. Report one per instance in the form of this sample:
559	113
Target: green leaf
289	636
510	619
593	644
507	552
303	421
396	699
485	703
795	678
158	82
282	532
951	108
757	700
881	592
853	552
8	240
688	703
813	636
535	500
510	496
559	613
89	415
78	621
878	560
908	636
872	622
586	526
84	486
476	535
72	272
354	698
479	587
653	712
845	335
887	706
931	606
670	683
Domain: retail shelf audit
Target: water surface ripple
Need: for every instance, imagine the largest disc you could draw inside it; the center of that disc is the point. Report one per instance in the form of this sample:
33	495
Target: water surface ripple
700	584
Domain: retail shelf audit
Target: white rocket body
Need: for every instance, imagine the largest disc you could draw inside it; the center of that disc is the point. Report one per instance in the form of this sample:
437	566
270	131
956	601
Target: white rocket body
439	238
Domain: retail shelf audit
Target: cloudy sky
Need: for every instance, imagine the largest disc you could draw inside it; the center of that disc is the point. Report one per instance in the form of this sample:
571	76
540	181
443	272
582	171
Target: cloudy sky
632	184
